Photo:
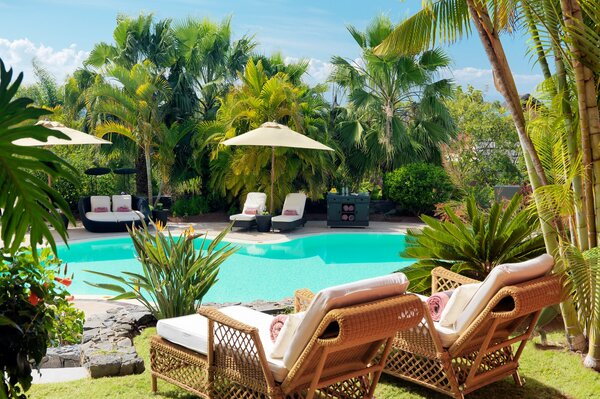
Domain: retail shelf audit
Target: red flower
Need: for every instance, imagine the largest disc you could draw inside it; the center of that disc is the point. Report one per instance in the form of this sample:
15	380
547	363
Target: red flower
33	299
70	298
64	281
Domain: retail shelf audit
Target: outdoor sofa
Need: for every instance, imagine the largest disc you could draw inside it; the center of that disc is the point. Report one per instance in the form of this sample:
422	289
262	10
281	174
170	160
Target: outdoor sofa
254	204
488	337
337	350
105	214
292	214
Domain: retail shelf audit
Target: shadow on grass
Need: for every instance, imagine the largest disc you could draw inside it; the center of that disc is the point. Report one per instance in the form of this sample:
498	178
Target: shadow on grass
506	388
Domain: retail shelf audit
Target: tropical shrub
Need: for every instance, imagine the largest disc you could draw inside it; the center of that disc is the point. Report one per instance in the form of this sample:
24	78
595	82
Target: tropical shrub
195	205
175	276
416	188
68	325
32	300
475	246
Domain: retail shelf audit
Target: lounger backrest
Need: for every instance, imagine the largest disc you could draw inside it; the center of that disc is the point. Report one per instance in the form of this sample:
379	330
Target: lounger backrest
338	297
255	201
294	202
502	276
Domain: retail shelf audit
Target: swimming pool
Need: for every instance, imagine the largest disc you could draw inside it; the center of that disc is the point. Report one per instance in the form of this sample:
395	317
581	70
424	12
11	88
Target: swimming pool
256	271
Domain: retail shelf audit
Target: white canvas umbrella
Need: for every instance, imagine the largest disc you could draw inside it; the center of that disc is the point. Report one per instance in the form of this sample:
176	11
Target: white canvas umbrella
75	137
272	134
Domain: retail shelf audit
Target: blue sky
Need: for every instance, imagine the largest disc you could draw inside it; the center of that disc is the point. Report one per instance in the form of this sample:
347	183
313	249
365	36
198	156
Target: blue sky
60	33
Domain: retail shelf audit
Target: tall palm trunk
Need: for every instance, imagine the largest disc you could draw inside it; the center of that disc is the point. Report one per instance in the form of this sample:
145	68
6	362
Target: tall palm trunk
589	125
148	171
141	179
506	86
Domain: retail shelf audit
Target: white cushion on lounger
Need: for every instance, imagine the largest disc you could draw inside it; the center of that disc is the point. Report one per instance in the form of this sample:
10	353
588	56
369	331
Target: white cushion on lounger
294	202
255	201
242	217
448	335
101	216
502	276
338	297
192	332
121	201
100	201
129	216
286	218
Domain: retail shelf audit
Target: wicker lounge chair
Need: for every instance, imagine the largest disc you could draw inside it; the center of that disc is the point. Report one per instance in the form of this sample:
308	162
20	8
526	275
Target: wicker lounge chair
255	202
343	357
487	351
292	214
111	220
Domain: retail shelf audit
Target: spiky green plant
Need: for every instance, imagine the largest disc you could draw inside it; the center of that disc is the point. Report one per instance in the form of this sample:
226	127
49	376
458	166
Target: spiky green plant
475	246
175	276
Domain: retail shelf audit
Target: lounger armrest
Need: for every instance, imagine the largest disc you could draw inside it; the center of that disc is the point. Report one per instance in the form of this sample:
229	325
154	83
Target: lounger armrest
422	339
443	279
229	338
302	299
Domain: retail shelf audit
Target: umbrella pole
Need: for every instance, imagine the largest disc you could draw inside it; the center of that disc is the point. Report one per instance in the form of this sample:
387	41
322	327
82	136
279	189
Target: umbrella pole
272	176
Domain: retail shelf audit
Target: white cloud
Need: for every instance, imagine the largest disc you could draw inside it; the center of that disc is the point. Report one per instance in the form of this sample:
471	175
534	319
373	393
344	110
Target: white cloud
19	54
482	79
318	70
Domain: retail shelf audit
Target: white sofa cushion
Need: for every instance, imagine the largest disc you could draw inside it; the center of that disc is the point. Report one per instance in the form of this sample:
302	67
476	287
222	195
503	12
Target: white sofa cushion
456	305
102	216
502	276
119	201
338	297
129	216
99	201
286	335
192	332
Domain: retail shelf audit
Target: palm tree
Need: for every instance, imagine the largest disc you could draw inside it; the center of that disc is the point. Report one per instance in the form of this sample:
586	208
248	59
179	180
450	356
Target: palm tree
258	99
128	103
397	111
449	20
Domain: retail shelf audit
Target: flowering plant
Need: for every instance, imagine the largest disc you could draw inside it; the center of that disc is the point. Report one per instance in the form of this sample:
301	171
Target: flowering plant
32	299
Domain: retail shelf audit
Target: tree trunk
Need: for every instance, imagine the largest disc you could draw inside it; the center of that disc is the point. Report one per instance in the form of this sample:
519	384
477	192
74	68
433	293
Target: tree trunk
592	359
507	87
141	182
148	171
589	125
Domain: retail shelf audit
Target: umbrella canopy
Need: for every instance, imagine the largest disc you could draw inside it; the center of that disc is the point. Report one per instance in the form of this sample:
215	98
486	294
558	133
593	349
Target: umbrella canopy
76	137
272	134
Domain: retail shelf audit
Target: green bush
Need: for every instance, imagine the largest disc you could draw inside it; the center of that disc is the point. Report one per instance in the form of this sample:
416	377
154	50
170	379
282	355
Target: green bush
175	276
195	205
32	302
417	187
475	244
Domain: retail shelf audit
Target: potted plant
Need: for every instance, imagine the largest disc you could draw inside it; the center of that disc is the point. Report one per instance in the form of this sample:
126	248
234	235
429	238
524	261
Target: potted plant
160	215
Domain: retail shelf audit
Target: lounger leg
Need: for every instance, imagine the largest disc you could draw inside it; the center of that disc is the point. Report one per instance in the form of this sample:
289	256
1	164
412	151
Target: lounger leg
518	380
154	384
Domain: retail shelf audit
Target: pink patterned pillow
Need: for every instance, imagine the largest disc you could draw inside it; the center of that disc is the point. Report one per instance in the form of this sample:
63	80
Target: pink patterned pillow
251	211
290	212
277	325
101	209
123	209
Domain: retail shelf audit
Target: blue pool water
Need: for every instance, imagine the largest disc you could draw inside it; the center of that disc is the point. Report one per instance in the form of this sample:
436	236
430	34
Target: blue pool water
256	271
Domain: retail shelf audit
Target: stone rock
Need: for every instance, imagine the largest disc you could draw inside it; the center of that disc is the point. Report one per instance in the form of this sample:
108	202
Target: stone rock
104	366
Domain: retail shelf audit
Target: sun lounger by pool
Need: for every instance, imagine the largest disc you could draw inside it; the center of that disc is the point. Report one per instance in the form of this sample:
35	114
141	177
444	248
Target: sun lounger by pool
292	214
255	203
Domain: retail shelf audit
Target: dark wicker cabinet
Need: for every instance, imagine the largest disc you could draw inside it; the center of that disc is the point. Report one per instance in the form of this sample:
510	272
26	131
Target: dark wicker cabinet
348	210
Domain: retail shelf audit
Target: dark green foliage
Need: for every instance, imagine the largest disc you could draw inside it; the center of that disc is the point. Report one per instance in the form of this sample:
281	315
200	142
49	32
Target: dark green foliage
31	304
192	206
475	246
175	275
27	201
417	187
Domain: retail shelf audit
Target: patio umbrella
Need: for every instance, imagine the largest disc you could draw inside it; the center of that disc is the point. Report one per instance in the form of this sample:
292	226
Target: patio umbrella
272	134
75	137
125	172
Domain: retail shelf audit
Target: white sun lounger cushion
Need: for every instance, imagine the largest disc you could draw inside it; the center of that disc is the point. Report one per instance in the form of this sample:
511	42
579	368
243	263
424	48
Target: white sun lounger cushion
255	201
121	201
100	201
502	276
192	332
294	202
242	217
338	297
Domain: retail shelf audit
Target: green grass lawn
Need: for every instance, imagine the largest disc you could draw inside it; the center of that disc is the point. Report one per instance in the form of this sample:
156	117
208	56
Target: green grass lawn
548	373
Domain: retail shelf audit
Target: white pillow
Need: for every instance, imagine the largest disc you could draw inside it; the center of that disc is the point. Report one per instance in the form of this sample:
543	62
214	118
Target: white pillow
100	201
502	276
339	297
286	334
119	201
458	301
